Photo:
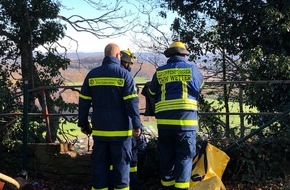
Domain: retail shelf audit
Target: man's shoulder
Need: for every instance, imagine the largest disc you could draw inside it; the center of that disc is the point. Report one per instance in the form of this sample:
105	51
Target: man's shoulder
190	64
93	71
124	72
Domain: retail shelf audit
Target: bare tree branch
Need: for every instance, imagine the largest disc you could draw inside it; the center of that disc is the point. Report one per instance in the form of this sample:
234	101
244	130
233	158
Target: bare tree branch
110	21
148	35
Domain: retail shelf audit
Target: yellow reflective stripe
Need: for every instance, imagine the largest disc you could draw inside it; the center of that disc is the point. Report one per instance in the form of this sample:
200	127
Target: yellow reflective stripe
106	188
168	183
175	102
130	96
173	72
174	75
177	107
112	133
133	169
186	104
85	97
182	185
124	188
106	81
152	93
184	90
163	91
185	122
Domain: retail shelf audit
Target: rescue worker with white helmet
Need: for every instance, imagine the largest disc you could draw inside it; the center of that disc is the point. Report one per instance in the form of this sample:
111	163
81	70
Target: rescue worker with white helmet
175	88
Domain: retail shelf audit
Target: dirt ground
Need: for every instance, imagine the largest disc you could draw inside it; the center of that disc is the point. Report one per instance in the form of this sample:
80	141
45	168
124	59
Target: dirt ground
151	184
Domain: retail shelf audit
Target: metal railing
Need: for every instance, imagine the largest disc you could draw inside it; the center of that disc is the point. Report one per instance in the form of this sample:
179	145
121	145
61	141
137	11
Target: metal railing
241	114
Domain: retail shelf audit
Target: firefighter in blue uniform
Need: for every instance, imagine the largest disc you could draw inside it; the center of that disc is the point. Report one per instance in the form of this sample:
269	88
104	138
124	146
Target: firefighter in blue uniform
110	91
175	88
139	148
127	59
139	144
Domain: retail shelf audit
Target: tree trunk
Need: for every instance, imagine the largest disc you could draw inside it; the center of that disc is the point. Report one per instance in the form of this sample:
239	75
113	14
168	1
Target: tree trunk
226	98
27	67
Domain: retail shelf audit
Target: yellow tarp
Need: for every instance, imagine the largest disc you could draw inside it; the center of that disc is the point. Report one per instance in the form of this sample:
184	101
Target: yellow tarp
208	168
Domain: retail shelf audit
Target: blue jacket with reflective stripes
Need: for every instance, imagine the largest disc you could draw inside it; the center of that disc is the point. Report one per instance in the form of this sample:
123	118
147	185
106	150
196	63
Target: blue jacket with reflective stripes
110	91
176	87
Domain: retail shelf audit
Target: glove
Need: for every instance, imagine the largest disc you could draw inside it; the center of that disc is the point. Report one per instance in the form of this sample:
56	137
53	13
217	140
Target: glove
136	132
86	130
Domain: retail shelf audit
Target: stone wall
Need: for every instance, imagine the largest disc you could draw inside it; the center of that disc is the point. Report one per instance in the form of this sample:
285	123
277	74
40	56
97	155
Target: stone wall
47	160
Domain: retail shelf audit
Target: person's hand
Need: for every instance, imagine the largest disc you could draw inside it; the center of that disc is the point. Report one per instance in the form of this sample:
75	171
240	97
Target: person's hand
86	130
137	132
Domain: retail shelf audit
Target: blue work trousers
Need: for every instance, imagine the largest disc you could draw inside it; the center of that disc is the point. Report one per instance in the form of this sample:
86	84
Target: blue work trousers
177	149
117	153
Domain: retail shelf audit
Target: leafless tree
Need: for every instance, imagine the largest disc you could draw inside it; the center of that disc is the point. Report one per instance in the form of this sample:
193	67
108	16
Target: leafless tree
110	19
152	35
141	19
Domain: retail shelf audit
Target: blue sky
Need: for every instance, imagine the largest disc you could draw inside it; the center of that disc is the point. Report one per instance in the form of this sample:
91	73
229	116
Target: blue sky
88	42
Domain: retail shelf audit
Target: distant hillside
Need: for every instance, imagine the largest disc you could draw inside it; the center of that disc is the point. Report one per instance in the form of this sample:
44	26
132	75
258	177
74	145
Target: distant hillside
205	61
141	57
87	61
82	63
81	55
78	69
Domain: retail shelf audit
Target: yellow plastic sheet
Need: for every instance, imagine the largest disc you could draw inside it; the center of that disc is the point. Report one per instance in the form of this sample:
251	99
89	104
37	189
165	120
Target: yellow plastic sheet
208	167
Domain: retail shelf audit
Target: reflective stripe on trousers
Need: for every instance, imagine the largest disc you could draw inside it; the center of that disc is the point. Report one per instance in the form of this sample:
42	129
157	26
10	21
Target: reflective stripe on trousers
117	153
176	150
